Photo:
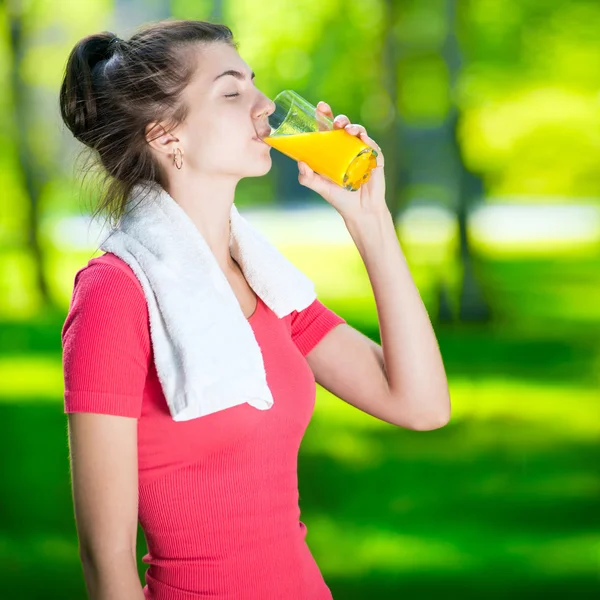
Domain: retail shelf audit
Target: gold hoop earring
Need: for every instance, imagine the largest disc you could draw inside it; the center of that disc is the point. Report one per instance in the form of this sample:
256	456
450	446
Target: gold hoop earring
180	163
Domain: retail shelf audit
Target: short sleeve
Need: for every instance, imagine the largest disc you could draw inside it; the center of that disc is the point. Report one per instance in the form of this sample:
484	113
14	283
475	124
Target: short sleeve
310	325
106	343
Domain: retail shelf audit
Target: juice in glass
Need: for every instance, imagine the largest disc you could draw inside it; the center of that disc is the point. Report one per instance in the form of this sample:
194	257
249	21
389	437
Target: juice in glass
297	132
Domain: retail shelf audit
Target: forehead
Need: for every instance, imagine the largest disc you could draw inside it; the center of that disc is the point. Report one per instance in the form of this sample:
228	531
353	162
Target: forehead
214	59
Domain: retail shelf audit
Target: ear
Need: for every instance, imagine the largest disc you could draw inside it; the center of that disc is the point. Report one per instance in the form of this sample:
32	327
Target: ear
158	138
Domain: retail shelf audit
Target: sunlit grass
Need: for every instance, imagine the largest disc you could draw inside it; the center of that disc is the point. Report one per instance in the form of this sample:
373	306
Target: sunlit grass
32	548
364	549
564	411
569	555
421	527
533	416
18	296
29	378
496	488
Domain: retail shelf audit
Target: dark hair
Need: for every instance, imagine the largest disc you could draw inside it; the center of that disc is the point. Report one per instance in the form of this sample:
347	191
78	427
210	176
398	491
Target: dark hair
113	88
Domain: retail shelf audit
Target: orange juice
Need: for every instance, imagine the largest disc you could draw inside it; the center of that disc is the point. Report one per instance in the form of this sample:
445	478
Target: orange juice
338	155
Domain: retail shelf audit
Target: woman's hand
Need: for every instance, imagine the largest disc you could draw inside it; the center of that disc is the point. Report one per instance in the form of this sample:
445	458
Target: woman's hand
370	197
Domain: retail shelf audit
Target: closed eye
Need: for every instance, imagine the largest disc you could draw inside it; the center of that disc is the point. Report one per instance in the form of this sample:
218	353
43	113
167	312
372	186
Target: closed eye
231	95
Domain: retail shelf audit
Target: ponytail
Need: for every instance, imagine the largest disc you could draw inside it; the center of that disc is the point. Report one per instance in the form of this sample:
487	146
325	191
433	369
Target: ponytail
82	82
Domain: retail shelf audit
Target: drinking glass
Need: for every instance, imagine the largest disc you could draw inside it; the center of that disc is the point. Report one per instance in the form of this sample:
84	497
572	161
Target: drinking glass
300	133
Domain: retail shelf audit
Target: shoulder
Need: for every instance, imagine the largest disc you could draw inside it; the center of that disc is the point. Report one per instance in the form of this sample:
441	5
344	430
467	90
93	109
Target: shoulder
309	325
110	278
107	295
111	269
106	341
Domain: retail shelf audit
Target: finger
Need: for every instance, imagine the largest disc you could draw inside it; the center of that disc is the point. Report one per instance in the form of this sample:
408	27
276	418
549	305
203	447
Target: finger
312	180
364	136
324	108
361	132
324	116
341	121
371	142
355	129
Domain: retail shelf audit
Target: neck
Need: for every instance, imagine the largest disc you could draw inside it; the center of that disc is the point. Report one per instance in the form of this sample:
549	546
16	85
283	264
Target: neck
207	201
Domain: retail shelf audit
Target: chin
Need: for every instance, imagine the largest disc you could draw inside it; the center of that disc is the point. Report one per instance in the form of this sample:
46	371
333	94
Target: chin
261	168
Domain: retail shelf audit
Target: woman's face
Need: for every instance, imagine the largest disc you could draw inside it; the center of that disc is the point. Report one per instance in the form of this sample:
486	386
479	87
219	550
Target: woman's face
225	115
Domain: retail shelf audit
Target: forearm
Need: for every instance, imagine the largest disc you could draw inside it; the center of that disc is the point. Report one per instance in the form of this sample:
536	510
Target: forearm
413	363
112	578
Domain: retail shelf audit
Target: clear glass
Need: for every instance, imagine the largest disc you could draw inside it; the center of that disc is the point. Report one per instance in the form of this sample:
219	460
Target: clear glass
300	133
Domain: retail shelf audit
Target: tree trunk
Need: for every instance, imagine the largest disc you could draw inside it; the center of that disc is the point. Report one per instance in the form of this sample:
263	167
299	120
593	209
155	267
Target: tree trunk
472	304
32	175
129	14
216	11
390	139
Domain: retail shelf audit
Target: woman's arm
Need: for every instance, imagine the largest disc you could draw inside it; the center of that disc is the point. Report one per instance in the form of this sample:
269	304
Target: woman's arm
410	352
402	382
103	458
414	391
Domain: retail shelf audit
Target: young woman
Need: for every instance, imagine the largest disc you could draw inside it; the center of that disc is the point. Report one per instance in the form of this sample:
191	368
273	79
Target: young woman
216	496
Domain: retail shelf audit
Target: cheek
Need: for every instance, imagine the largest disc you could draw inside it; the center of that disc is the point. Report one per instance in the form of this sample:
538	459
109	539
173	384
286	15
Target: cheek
222	144
221	140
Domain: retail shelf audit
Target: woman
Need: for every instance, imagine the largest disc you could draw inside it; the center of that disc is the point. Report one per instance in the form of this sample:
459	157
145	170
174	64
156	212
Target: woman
216	496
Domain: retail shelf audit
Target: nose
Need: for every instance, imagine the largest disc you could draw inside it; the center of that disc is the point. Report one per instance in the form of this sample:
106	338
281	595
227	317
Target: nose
268	110
272	107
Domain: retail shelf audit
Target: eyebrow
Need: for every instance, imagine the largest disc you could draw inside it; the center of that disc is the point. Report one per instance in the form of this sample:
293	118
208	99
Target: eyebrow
234	73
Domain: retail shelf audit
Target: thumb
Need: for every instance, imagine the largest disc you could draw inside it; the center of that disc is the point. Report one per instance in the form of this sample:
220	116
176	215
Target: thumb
308	178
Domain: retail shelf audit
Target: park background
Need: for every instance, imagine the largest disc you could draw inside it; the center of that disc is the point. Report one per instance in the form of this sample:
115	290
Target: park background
488	113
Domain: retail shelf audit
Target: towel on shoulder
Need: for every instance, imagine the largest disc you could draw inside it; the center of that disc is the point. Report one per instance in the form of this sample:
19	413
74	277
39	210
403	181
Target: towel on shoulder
206	355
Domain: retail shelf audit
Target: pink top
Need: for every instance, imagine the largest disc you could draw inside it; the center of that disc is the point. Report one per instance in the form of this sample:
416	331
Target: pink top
218	495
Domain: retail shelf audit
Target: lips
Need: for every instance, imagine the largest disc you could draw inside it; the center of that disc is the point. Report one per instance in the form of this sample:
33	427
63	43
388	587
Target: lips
262	134
262	142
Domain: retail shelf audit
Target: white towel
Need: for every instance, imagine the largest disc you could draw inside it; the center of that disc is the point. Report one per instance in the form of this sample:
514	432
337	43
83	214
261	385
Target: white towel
206	355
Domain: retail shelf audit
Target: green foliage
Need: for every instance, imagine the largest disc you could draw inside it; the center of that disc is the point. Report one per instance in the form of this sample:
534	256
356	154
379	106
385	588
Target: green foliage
529	95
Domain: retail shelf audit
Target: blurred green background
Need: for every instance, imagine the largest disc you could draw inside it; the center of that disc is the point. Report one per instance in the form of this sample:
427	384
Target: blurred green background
488	113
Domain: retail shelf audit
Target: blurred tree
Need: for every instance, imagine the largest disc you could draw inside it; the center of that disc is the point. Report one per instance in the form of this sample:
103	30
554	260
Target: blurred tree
391	143
129	14
428	66
33	174
469	189
529	97
216	11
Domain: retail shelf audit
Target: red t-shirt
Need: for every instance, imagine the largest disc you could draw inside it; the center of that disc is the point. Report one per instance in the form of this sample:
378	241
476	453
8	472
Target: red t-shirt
218	495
